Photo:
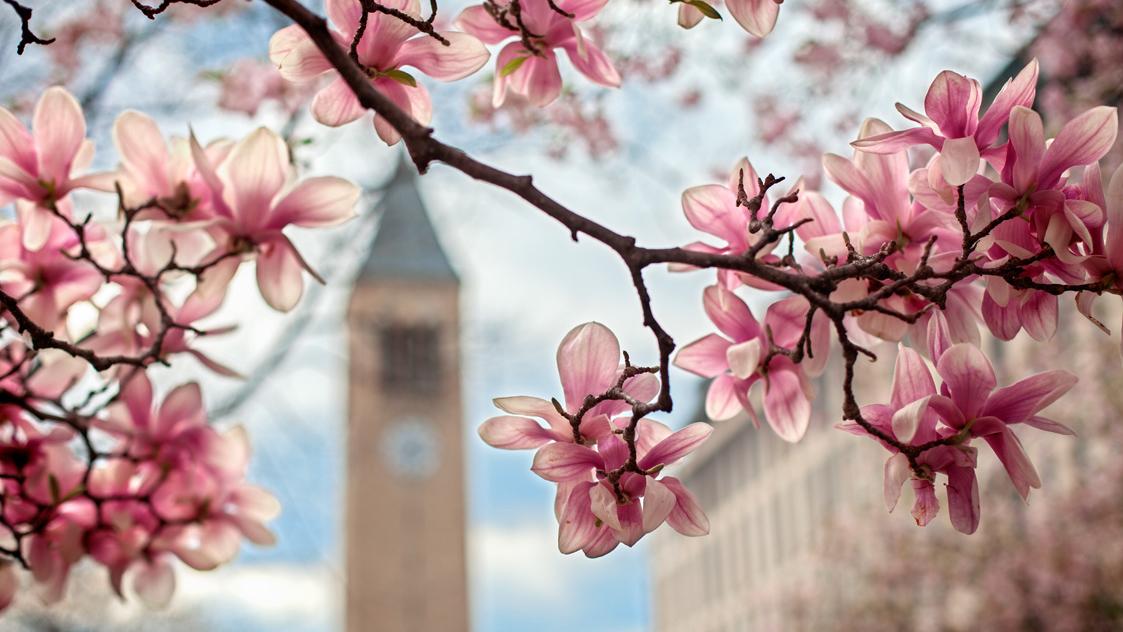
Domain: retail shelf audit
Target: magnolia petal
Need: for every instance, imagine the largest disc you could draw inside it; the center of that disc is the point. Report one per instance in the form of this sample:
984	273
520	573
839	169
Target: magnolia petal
947	411
414	100
658	503
952	102
706	356
722	399
911	379
154	583
1039	315
278	275
963	499
785	405
296	56
538	79
676	446
893	142
687	517
926	506
730	314
959	160
1084	140
257	170
593	63
1020	90
939	337
210	290
16	142
536	407
587	358
969	376
689	16
713	209
907	420
897	471
464	55
1048	425
1025	398
9	584
576	522
514	433
316	202
565	461
477	21
345	14
758	17
1003	322
337	104
1014	458
143	151
59	129
744	358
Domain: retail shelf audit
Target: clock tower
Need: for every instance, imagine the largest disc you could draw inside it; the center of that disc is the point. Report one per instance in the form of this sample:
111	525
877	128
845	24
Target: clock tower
405	525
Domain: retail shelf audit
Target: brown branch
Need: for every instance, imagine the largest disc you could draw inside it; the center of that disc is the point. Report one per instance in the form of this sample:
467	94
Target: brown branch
424	149
27	36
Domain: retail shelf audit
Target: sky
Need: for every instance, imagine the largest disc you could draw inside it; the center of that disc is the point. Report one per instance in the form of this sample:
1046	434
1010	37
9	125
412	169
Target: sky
525	284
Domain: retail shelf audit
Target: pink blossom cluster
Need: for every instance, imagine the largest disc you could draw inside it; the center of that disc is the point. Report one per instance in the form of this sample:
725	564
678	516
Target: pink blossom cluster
161	484
531	32
996	195
606	495
90	465
967	406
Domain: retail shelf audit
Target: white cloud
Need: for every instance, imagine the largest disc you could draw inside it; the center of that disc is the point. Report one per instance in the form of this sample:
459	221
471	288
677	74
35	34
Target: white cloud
289	596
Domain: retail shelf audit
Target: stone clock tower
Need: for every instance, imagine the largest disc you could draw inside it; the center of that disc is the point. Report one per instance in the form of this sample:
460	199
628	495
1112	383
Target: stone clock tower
405	526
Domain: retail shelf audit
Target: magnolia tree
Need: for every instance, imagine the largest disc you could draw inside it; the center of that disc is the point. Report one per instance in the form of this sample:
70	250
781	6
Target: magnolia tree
990	232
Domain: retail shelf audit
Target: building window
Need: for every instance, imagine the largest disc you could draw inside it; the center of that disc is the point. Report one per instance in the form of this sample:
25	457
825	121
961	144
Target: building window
410	358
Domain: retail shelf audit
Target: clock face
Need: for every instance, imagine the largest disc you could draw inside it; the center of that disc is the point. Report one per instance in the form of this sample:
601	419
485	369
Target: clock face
411	447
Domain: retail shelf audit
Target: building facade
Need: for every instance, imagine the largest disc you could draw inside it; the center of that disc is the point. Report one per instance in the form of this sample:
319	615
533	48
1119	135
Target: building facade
405	515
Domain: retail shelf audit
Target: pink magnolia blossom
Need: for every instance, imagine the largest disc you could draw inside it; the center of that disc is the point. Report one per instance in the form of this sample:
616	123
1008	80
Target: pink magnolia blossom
173	434
587	501
588	360
534	74
713	209
46	280
37	167
741	360
908	418
154	169
589	365
971	404
255	199
953	125
387	45
1032	180
217	507
129	324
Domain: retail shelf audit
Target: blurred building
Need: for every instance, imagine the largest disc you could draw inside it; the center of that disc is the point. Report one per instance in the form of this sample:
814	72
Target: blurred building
773	505
769	503
405	521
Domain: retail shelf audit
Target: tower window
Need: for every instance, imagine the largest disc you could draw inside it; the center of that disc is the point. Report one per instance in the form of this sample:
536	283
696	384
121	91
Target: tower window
410	358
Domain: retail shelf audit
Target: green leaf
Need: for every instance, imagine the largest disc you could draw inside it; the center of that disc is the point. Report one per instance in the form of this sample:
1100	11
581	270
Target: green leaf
511	66
56	493
705	8
401	77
